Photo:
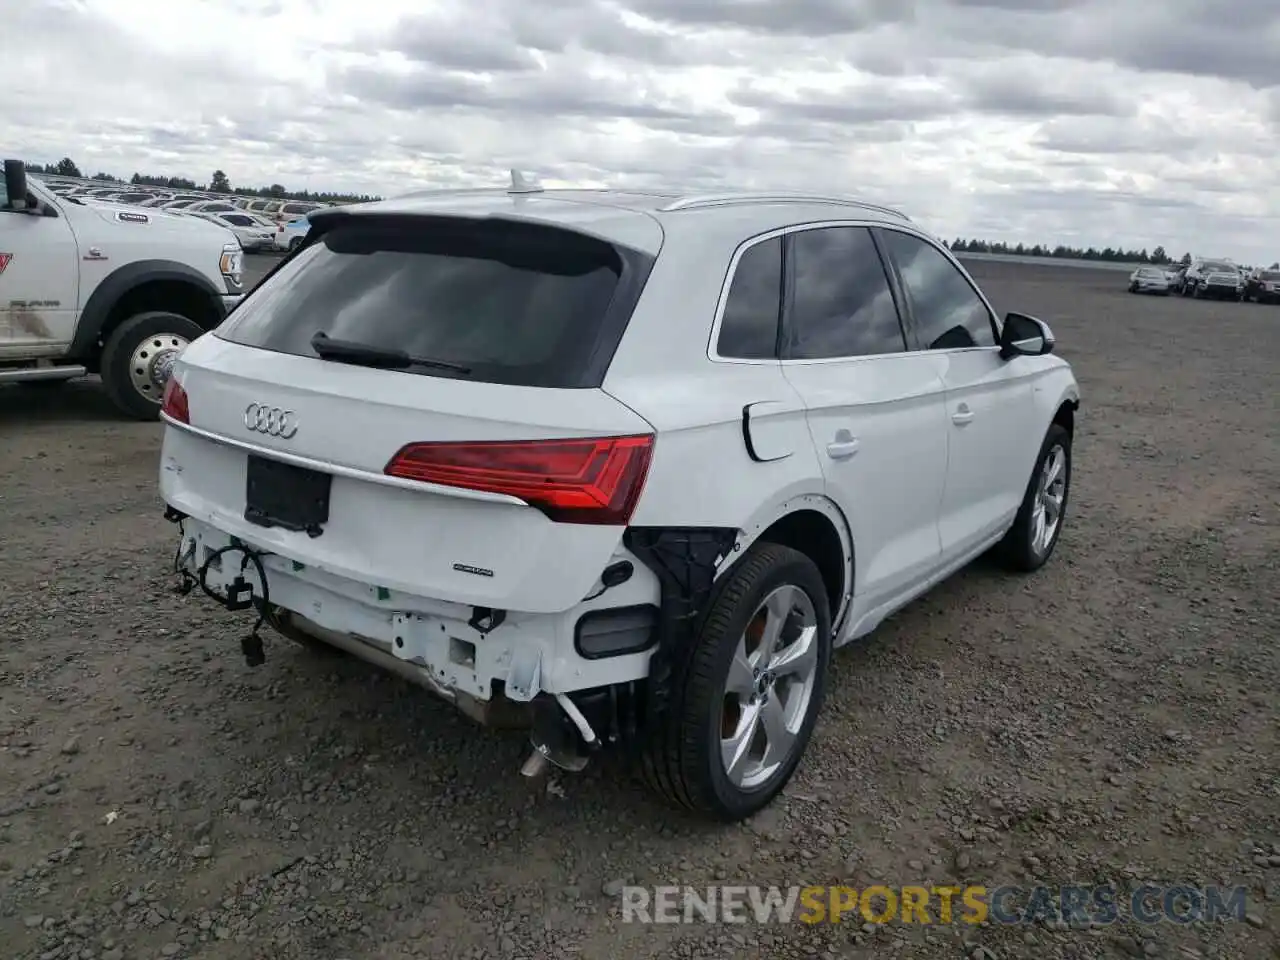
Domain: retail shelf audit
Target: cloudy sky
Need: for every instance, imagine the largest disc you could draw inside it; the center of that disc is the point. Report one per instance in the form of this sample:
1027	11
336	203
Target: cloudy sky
1074	121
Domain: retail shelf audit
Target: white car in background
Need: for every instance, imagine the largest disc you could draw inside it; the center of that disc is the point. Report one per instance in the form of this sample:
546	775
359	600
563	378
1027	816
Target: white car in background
253	233
289	235
628	466
1149	280
292	209
211	206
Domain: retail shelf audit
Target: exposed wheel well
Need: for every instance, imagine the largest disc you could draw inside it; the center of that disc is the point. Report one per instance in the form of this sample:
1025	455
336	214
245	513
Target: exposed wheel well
1066	416
814	535
172	296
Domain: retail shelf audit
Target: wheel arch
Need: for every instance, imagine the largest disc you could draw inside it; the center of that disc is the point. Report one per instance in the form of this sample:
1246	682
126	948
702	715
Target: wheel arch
137	287
814	525
1065	415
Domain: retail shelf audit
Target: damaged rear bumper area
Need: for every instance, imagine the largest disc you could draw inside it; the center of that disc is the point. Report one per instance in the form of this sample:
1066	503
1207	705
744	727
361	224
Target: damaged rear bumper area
596	675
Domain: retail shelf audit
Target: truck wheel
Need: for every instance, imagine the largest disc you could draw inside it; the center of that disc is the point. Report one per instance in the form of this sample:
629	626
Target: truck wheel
747	697
138	357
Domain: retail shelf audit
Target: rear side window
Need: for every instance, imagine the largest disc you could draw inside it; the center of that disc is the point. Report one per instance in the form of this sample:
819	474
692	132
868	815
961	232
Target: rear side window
841	304
749	327
239	219
948	312
519	304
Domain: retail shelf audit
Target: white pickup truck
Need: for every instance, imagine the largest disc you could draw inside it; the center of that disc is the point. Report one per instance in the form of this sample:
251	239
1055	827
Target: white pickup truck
113	290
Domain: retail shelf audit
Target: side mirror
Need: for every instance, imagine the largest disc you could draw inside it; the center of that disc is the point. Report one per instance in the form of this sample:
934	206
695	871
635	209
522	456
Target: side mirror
15	183
1025	336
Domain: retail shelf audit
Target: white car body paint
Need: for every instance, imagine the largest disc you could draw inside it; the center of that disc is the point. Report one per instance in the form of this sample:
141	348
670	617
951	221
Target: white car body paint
932	453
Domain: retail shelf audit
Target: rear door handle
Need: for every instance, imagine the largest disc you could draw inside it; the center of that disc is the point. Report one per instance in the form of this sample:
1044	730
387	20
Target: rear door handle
844	446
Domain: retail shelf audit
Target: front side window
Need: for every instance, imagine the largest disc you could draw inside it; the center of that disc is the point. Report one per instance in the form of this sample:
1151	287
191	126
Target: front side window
749	327
948	312
841	301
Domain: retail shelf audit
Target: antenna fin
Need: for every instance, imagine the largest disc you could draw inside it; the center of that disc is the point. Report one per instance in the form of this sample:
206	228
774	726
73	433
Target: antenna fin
522	184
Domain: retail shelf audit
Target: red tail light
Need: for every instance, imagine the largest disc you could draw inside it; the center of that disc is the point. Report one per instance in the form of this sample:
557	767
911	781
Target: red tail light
592	480
175	402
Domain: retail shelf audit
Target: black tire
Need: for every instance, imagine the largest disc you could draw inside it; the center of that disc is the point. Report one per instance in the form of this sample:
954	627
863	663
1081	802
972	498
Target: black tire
118	354
1133	288
294	243
1017	550
681	760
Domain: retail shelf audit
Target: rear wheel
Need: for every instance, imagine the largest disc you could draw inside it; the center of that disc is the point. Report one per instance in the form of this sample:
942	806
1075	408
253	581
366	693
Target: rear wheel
749	694
293	243
139	356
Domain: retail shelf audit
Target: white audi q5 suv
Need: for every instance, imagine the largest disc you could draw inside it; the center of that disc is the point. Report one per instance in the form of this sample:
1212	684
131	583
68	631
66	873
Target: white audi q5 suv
622	466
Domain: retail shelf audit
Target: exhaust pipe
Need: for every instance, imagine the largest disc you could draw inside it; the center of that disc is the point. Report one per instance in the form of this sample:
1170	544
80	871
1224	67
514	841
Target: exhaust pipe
561	735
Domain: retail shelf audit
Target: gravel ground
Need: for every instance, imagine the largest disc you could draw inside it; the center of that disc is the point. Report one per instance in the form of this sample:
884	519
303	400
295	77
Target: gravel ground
1112	719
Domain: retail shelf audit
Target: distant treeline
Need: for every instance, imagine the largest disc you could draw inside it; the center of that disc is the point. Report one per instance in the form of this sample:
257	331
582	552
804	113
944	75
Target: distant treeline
1111	254
218	183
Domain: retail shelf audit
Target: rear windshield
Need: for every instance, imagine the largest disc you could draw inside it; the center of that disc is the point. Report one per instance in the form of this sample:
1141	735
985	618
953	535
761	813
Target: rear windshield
519	304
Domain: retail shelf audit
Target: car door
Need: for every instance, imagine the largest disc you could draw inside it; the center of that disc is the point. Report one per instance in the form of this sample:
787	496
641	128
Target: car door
39	282
874	409
992	429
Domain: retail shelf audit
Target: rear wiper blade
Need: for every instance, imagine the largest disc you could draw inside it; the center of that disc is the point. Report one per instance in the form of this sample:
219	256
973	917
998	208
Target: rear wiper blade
367	355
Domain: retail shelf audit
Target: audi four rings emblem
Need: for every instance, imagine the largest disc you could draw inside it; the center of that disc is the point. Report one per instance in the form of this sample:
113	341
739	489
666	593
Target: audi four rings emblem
272	421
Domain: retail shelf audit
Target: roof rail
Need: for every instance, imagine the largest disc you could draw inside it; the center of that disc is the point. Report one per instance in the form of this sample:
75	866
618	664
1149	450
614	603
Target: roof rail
442	192
721	199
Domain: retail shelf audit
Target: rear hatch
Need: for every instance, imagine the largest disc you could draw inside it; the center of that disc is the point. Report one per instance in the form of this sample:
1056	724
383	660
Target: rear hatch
436	381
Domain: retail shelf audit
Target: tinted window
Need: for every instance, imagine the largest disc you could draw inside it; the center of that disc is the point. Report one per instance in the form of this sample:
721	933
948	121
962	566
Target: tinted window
749	328
948	313
239	219
516	304
842	305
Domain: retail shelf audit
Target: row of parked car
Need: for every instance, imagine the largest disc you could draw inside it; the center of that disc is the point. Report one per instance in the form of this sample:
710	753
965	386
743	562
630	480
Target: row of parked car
259	224
1215	279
